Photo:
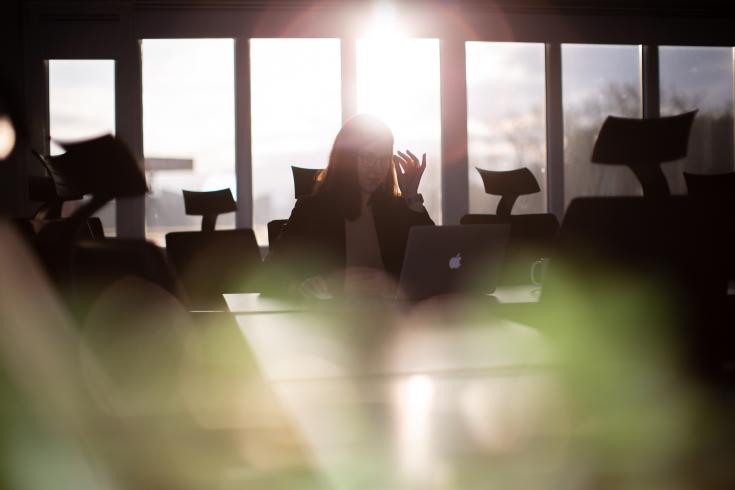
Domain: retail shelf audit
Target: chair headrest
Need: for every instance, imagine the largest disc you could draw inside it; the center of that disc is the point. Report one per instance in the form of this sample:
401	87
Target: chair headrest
304	180
626	141
518	182
209	202
509	184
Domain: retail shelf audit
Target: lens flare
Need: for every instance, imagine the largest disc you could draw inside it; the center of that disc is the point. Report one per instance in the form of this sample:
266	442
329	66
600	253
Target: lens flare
7	137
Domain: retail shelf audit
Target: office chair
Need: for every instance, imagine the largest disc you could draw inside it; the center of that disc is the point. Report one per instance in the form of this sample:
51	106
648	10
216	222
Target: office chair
212	262
673	243
531	235
103	168
98	264
304	184
643	145
209	205
717	192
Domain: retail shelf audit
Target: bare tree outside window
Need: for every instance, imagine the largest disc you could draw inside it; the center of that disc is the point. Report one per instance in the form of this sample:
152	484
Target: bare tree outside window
506	118
699	78
597	81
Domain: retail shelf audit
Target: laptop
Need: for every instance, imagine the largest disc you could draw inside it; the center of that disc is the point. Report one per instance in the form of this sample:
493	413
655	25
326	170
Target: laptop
452	259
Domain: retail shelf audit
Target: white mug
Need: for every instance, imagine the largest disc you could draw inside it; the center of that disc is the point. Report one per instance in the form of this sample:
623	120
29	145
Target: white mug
538	271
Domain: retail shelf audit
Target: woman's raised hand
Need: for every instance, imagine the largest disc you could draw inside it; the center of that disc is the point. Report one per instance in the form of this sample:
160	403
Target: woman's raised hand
409	172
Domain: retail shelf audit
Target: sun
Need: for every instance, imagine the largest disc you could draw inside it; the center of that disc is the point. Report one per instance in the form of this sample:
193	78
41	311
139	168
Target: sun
384	23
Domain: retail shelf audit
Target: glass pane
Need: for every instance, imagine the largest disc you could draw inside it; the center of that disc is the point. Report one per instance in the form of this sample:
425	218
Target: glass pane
296	113
82	106
506	118
597	81
188	128
699	78
398	81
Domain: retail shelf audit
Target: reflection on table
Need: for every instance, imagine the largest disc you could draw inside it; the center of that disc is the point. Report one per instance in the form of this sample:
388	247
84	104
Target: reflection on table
430	396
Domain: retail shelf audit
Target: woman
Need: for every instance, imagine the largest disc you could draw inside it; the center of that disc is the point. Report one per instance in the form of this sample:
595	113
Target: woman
351	233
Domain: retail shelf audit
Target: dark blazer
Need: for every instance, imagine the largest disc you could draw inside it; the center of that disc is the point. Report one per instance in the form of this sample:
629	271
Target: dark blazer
312	242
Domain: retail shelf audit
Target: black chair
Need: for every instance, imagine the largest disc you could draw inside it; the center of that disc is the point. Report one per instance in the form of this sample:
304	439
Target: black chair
209	205
305	180
715	186
91	229
643	145
674	243
717	191
274	229
97	264
44	190
531	235
304	184
212	262
103	168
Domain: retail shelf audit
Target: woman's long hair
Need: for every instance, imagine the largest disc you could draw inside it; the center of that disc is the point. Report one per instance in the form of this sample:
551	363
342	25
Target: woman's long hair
339	182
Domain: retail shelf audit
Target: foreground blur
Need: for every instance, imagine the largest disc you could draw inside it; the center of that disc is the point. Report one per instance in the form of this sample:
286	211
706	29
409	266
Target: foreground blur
592	390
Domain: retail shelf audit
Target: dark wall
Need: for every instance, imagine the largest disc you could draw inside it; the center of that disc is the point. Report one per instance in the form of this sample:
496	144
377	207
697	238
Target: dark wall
11	90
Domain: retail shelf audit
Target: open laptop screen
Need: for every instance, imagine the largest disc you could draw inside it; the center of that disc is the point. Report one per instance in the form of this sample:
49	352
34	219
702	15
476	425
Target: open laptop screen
452	259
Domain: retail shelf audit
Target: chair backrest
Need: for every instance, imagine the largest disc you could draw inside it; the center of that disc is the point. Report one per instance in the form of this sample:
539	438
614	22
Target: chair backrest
305	180
97	264
677	239
643	145
209	205
210	263
531	237
509	184
102	167
53	255
711	186
43	190
675	243
274	229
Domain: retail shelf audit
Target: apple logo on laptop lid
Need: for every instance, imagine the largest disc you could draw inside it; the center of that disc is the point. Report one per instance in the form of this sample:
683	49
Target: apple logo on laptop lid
456	261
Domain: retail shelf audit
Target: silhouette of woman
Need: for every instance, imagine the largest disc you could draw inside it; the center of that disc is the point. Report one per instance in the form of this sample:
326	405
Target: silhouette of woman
350	234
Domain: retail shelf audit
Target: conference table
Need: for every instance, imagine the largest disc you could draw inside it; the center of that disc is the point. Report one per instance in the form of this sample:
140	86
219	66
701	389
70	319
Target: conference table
443	393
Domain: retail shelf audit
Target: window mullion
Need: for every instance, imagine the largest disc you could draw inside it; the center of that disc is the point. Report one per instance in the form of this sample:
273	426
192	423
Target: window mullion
243	135
130	212
650	95
554	131
453	82
348	62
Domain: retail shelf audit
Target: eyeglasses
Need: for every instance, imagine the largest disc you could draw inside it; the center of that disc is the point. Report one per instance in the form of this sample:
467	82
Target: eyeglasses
372	161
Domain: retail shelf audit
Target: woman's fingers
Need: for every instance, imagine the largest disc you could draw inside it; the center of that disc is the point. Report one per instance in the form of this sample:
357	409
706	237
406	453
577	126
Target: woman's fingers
407	159
399	165
414	159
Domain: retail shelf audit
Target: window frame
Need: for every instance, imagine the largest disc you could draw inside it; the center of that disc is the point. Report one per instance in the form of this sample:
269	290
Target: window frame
75	31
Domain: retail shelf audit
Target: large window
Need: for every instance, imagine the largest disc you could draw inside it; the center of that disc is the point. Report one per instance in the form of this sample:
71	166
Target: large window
506	124
699	78
296	93
296	113
597	81
188	127
82	106
398	81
